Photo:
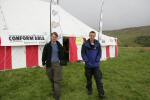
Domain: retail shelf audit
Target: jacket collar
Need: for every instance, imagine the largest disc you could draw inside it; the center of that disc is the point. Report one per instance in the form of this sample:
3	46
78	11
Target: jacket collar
87	43
56	42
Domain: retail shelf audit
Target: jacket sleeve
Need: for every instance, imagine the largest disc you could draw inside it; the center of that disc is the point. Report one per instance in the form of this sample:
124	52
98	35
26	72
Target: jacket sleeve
83	53
44	55
99	53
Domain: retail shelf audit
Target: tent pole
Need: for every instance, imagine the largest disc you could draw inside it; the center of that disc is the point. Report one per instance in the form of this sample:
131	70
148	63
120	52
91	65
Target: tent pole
50	15
100	22
57	1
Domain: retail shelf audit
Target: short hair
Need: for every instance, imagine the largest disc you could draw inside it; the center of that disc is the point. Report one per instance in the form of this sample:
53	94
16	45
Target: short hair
92	32
54	33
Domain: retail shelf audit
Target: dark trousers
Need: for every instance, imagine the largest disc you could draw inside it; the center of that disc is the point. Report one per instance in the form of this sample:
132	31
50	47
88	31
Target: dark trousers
54	74
89	72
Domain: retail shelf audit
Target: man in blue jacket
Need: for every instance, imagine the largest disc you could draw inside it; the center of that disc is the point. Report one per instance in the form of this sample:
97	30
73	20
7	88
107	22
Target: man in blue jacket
91	54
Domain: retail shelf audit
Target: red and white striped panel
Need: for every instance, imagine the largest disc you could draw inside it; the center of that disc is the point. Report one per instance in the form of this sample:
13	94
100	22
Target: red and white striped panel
79	52
40	50
107	52
75	49
30	56
20	57
5	58
112	51
73	56
116	50
103	57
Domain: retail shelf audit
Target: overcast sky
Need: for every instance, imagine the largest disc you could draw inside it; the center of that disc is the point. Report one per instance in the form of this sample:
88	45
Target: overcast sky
116	14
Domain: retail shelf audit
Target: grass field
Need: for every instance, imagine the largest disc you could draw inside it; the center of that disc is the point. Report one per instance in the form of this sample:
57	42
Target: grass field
125	78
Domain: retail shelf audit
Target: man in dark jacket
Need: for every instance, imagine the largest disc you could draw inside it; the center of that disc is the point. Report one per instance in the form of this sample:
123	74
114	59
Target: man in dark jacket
91	54
52	57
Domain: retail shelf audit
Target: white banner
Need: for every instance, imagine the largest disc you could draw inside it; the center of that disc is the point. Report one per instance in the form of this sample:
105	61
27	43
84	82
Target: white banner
55	21
20	39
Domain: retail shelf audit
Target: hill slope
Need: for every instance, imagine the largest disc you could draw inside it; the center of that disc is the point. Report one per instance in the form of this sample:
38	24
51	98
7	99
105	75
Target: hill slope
132	37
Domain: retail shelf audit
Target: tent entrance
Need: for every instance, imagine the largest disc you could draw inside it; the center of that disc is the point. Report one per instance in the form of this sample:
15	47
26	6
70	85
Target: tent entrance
66	48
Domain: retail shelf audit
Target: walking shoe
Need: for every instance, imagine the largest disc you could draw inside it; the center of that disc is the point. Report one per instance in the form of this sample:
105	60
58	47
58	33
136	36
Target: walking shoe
90	92
57	98
102	96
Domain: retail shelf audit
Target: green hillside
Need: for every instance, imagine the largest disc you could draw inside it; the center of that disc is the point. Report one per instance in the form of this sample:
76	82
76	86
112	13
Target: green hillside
132	37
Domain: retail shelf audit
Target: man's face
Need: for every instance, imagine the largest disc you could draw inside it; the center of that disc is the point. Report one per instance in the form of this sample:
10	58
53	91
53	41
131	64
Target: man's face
92	36
54	38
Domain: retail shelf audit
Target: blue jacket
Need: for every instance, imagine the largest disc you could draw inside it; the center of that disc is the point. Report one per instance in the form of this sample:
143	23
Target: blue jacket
91	54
